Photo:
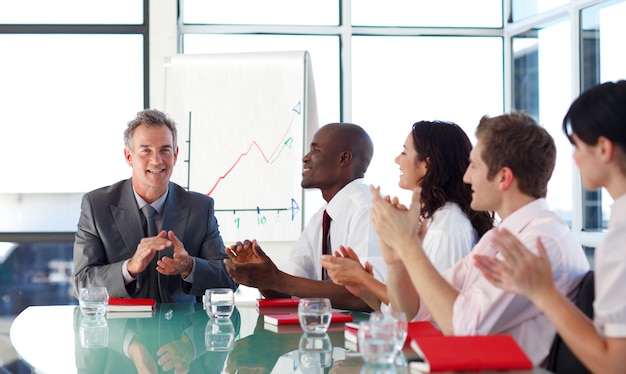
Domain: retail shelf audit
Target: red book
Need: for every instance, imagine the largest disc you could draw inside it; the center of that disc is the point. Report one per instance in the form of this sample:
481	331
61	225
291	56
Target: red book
292	318
468	353
278	302
351	332
131	305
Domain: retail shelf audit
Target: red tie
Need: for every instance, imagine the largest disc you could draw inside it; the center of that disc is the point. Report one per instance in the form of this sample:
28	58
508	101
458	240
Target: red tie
326	249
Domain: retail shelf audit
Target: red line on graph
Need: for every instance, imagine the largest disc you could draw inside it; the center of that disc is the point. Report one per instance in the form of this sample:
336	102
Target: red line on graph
254	144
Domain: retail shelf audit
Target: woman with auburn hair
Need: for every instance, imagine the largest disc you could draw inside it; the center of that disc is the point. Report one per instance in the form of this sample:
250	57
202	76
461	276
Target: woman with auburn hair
434	159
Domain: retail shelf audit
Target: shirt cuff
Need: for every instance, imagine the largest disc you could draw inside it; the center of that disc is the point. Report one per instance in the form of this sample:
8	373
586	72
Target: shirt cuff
189	278
126	275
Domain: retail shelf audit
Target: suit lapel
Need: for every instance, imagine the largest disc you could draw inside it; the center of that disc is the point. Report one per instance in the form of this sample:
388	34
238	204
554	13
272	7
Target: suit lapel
128	220
175	217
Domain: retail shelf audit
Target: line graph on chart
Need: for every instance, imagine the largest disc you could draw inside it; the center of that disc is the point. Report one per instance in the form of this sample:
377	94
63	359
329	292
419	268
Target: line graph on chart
285	142
252	171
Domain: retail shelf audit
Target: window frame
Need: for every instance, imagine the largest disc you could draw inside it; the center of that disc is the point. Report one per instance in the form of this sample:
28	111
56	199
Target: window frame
163	29
345	30
573	12
78	29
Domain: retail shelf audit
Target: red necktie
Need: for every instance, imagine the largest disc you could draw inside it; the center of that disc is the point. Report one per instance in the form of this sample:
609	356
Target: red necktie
326	249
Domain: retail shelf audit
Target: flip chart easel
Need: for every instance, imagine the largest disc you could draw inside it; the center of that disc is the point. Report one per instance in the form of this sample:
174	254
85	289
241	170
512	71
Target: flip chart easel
244	122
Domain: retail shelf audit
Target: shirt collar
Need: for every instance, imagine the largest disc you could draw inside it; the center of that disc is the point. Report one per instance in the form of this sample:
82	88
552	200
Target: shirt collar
617	212
517	221
336	205
158	204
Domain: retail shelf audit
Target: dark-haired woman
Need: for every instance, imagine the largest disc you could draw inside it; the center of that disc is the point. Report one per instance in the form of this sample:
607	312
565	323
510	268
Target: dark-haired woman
434	158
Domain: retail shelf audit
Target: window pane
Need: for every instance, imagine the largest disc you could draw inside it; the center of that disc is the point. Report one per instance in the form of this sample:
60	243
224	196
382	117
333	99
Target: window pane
542	88
66	100
521	9
268	12
35	274
602	59
323	50
427	13
398	81
128	12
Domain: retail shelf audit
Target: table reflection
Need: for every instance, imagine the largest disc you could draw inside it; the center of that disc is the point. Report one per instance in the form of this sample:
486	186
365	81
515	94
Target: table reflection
175	338
178	338
315	351
260	351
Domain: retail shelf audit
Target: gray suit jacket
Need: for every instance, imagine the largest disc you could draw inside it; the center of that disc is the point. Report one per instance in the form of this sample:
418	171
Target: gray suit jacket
111	226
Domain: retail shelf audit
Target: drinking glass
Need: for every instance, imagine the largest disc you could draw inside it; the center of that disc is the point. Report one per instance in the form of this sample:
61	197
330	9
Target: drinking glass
219	334
400	361
403	326
314	314
93	301
315	351
378	340
219	302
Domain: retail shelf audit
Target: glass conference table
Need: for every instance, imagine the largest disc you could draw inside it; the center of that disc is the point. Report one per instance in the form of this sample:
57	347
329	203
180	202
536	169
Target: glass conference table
58	339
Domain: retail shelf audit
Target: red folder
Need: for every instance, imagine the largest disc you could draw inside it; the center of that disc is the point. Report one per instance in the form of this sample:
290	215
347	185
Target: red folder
292	318
468	353
131	305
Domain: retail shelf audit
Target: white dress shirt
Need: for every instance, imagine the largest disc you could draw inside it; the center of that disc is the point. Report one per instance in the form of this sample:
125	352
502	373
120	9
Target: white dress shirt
350	226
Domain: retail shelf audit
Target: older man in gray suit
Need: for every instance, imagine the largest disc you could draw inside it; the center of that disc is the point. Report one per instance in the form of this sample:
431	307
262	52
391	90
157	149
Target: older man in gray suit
147	236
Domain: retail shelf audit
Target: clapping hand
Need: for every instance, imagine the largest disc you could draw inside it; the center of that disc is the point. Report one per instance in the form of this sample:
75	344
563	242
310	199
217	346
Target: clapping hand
180	263
245	252
259	271
518	270
395	224
345	269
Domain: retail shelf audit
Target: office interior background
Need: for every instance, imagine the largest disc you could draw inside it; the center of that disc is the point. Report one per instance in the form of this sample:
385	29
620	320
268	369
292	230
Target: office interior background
73	72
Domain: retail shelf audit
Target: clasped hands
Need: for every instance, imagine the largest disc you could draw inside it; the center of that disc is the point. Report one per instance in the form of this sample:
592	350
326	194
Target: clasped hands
181	263
247	264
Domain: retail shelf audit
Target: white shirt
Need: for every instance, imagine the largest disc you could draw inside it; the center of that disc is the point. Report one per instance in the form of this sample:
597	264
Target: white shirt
609	306
449	236
482	308
350	226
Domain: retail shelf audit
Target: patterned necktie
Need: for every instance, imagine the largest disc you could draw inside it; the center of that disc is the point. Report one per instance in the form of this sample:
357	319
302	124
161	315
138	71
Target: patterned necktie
148	211
326	249
151	282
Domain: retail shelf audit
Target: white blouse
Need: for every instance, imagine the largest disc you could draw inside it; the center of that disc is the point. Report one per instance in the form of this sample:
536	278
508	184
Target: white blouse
449	236
610	275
